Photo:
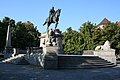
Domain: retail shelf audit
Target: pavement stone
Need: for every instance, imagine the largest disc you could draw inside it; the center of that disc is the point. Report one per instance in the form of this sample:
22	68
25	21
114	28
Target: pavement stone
29	72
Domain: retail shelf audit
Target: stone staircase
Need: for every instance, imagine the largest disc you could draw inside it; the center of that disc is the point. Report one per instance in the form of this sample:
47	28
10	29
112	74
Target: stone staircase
77	61
63	61
18	59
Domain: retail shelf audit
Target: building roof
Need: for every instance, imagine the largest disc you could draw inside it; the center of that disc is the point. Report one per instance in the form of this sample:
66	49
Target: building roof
104	22
118	23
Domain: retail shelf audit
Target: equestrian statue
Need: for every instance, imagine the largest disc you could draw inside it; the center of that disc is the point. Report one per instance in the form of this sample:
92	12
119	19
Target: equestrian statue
53	17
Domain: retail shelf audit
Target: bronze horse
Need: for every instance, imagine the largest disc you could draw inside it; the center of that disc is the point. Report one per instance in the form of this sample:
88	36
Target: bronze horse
55	19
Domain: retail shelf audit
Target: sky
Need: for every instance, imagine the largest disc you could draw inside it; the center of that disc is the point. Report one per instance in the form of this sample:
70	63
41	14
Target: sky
74	12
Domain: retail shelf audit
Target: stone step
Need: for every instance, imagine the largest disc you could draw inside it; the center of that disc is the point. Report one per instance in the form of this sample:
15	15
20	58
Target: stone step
81	59
82	62
14	59
85	67
97	63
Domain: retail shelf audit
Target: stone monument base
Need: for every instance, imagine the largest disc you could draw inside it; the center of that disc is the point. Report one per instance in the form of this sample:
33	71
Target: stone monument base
108	55
50	59
51	43
8	52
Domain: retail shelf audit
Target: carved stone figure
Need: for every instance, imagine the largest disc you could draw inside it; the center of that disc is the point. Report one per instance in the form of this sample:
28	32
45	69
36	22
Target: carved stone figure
99	47
50	38
106	46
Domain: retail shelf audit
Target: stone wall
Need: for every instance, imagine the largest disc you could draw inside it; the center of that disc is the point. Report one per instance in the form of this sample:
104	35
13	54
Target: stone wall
88	52
33	59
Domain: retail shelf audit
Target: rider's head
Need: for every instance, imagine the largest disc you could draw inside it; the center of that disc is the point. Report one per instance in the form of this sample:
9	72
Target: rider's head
52	7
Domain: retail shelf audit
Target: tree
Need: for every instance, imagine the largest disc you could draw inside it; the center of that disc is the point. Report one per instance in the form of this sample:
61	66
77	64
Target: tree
1	37
112	33
71	41
19	36
33	34
74	41
23	34
87	34
89	37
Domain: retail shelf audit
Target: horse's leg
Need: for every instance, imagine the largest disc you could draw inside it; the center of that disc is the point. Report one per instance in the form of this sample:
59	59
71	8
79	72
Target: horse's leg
44	23
48	25
56	25
55	20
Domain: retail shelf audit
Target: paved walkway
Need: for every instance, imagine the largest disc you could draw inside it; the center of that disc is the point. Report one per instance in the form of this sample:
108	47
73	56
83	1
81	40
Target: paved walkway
28	72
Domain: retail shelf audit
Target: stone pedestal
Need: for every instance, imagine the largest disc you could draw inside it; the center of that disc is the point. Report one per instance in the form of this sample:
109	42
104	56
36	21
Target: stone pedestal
8	52
47	40
51	42
108	55
50	58
59	42
105	52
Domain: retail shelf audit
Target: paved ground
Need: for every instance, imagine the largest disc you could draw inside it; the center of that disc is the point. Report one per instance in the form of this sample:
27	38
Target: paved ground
28	72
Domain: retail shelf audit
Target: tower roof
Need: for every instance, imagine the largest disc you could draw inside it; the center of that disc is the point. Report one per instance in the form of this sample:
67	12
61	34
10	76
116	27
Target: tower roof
104	22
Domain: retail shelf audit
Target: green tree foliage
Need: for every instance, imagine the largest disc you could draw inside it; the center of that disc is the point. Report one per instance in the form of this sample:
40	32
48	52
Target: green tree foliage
71	41
87	34
112	33
89	37
23	34
33	34
19	36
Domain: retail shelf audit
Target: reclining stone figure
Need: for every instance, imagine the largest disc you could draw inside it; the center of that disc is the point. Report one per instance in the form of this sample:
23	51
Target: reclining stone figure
106	46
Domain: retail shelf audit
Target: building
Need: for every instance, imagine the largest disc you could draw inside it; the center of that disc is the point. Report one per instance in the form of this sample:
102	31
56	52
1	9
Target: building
103	23
118	23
